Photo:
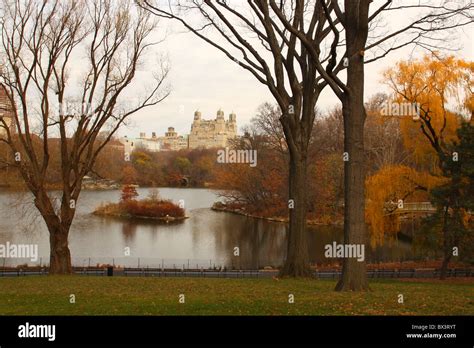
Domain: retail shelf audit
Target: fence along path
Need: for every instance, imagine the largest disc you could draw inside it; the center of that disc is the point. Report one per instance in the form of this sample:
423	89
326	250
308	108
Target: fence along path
236	273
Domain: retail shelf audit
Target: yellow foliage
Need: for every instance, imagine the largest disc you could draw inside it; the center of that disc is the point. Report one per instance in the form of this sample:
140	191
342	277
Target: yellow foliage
390	184
442	87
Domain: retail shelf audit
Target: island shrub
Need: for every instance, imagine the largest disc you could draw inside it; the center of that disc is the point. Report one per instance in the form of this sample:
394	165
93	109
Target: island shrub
152	208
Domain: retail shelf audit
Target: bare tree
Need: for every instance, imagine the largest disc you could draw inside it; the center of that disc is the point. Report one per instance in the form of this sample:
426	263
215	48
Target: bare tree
356	20
271	38
383	136
267	122
256	35
294	33
40	42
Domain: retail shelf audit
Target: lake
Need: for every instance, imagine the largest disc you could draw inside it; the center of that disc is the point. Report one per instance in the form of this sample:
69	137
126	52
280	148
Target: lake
207	238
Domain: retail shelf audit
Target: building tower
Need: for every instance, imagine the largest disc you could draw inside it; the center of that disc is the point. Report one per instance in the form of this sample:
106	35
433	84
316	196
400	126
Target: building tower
171	133
197	115
232	117
232	124
212	133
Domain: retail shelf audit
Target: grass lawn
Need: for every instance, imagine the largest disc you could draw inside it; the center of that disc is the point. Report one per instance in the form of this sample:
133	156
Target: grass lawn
45	295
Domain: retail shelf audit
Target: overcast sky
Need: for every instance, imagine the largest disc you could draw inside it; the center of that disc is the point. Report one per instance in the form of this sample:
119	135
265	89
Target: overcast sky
203	78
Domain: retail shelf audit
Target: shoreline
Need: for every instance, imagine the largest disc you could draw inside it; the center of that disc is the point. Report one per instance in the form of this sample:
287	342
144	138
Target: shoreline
148	218
223	208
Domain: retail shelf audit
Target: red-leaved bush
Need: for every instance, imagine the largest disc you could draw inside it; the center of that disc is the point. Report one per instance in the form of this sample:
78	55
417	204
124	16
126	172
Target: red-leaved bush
151	208
129	192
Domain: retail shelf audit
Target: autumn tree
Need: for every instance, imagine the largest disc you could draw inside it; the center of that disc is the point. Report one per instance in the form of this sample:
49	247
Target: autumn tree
129	175
431	85
41	43
129	192
110	162
262	190
452	225
202	170
259	190
387	191
355	20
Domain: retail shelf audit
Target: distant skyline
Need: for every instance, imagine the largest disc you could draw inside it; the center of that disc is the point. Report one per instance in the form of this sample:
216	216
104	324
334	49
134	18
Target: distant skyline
202	78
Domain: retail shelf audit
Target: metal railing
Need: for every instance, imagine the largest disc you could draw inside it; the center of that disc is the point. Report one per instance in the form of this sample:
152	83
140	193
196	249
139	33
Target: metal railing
228	273
409	207
418	206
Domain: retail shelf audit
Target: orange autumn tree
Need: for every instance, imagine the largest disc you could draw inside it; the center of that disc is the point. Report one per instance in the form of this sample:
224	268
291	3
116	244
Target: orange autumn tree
440	91
129	178
385	189
259	189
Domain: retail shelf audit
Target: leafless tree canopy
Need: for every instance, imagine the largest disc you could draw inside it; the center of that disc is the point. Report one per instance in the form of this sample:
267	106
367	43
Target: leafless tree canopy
68	68
40	45
269	37
298	47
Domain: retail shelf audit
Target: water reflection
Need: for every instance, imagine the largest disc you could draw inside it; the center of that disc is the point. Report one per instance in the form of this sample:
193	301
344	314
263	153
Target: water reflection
206	238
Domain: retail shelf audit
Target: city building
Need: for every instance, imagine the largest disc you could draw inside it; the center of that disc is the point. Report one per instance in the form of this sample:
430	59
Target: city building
204	134
212	133
132	144
172	141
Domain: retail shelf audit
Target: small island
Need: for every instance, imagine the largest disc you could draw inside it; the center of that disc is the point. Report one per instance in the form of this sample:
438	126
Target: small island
152	207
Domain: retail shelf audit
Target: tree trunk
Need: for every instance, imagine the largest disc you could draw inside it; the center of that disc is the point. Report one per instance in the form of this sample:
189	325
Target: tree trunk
354	276
60	256
446	247
297	259
444	266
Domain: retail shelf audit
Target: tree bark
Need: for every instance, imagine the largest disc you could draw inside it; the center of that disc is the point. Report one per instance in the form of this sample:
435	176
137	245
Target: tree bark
354	276
448	239
444	266
297	258
60	256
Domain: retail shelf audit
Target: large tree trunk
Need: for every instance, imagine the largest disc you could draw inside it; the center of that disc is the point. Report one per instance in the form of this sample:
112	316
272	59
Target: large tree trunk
297	260
446	245
60	256
354	277
444	266
448	242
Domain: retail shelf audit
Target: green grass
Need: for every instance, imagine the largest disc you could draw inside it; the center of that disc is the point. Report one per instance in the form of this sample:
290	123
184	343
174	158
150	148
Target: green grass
44	295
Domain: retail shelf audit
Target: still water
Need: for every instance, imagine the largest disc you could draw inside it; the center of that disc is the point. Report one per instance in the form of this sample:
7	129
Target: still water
206	239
